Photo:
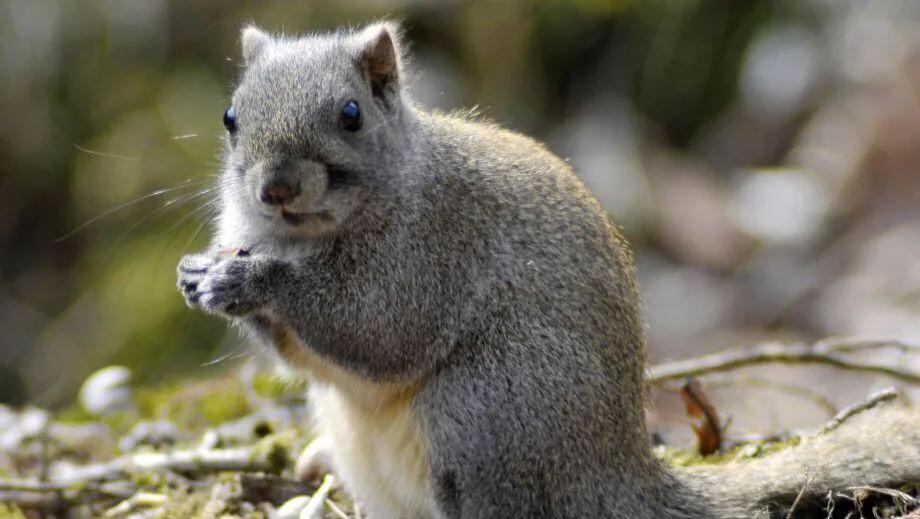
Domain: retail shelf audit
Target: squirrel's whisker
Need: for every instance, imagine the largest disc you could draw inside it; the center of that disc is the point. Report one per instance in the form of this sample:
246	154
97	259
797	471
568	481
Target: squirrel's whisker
209	162
175	202
192	213
104	154
159	192
204	221
236	354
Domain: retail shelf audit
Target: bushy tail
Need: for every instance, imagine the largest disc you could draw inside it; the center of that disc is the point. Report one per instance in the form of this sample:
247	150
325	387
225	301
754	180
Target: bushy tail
878	448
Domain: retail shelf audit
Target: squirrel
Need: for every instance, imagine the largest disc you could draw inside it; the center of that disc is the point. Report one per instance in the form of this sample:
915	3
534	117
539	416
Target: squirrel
466	312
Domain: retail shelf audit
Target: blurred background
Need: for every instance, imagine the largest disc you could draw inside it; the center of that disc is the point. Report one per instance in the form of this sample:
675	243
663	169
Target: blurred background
761	156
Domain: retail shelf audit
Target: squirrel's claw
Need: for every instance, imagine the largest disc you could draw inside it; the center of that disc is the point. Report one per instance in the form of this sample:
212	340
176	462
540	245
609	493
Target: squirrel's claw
191	272
195	264
215	285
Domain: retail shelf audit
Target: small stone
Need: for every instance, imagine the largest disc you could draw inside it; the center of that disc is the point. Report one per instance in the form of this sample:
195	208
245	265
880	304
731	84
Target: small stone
155	434
7	416
209	440
780	207
751	450
27	424
87	437
106	391
139	500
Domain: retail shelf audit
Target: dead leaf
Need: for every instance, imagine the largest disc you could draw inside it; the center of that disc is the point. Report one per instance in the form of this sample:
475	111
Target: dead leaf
709	430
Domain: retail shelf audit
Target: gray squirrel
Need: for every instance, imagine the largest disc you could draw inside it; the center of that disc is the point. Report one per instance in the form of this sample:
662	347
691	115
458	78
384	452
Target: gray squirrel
467	314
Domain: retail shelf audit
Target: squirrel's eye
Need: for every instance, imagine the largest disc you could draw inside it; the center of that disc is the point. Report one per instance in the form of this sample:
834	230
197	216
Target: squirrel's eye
351	116
230	119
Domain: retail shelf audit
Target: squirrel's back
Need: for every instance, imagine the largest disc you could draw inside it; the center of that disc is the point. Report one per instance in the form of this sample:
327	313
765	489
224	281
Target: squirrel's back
513	194
551	354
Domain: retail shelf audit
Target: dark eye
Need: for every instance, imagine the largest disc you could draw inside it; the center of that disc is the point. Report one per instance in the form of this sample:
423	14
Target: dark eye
230	119
351	116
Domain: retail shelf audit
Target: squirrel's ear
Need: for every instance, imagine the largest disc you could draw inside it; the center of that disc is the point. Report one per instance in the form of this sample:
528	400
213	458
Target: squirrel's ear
253	41
379	54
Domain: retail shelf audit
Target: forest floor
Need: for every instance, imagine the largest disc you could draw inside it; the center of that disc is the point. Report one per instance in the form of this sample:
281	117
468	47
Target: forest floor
221	447
225	447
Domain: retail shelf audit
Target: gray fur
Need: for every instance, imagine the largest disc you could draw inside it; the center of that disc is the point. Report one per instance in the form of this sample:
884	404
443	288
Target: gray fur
471	261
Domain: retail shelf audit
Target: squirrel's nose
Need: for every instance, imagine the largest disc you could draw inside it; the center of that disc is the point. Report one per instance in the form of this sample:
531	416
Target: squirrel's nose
278	193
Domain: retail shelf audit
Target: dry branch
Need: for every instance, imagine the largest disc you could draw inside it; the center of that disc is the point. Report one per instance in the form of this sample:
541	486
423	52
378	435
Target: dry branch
314	508
830	352
714	381
336	511
850	344
70	484
257	458
874	399
49	496
258	487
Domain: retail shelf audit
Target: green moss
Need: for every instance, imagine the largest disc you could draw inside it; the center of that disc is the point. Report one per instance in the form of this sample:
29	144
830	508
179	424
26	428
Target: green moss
680	457
771	447
184	503
73	414
120	422
276	451
217	400
221	407
272	386
193	405
151	481
11	512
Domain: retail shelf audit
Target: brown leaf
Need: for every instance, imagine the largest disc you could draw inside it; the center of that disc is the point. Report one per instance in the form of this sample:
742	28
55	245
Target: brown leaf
709	430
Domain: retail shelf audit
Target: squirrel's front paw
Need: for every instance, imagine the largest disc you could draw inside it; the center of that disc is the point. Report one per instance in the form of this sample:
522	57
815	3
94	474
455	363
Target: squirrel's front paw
218	285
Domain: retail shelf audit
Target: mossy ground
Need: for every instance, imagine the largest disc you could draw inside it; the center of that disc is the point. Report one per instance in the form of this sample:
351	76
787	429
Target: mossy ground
686	457
261	412
264	414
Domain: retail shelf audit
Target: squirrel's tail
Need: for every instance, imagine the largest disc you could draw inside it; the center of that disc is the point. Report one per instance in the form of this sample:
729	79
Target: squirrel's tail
877	448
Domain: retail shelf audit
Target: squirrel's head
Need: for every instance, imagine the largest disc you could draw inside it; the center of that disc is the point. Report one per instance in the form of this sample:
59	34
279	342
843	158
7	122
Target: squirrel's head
314	128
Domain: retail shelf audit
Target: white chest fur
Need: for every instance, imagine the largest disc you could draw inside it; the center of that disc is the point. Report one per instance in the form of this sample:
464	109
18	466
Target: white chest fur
378	448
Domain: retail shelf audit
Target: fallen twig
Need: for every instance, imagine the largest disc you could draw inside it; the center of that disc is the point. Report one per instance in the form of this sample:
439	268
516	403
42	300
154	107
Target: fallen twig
731	379
336	511
29	485
828	352
874	399
314	508
257	487
850	344
44	495
261	457
139	500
